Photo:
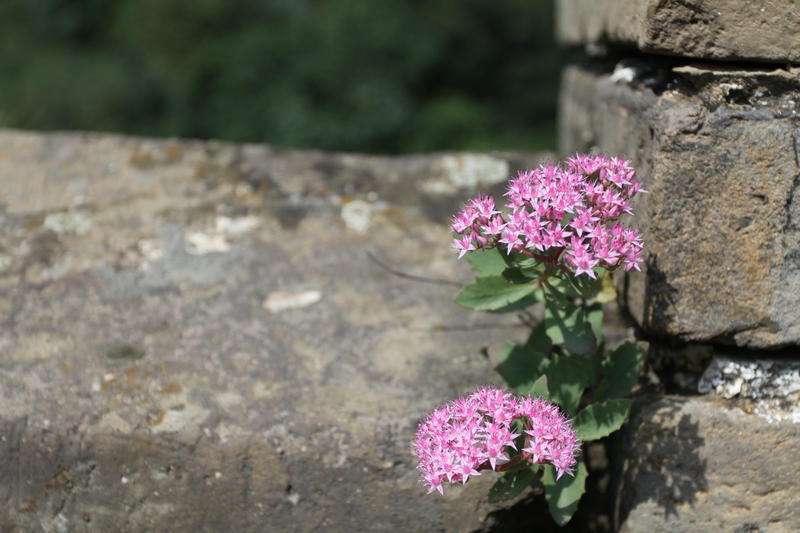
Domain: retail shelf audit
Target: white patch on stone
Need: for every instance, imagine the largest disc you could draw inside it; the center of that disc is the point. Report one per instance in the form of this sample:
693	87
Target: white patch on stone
124	480
236	226
774	384
293	498
756	379
114	422
728	87
174	420
54	524
217	240
357	215
283	301
226	432
437	187
229	399
470	171
623	74
198	243
68	222
152	250
774	411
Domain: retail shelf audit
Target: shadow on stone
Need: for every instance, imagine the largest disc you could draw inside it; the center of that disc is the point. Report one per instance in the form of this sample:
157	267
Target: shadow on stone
658	460
659	294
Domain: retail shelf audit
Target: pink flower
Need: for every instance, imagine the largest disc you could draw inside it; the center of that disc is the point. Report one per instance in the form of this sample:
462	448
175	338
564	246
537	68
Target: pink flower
553	204
475	433
495	226
463	245
484	205
464	219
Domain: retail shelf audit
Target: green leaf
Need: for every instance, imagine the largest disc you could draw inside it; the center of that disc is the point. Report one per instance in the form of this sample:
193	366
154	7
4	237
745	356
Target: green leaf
560	290
490	293
600	289
533	298
512	483
487	262
594	314
581	284
567	377
530	264
518	275
538	339
620	371
520	365
539	388
516	259
563	495
599	420
569	327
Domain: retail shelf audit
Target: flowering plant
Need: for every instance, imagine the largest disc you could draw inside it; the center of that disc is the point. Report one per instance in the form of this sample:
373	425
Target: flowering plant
481	431
556	244
560	217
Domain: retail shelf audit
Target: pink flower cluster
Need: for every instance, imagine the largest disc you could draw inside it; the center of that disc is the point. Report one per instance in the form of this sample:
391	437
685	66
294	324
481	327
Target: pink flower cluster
471	434
569	208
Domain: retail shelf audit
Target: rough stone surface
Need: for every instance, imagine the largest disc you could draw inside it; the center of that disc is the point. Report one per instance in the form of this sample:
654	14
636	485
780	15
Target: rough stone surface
707	29
770	388
691	464
193	337
718	151
766	378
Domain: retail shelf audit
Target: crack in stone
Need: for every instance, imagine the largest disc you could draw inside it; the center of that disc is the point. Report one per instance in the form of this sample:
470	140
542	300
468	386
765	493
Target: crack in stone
790	224
796	154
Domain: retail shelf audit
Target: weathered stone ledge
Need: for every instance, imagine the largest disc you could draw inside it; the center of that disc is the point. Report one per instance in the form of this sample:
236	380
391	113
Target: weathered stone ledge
193	337
717	150
704	463
730	30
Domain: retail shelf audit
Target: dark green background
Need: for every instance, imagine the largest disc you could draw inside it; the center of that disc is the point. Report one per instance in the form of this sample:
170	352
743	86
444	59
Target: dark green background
365	75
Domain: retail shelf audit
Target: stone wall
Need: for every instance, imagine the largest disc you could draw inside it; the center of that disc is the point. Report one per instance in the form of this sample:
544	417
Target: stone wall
728	30
197	336
718	151
712	123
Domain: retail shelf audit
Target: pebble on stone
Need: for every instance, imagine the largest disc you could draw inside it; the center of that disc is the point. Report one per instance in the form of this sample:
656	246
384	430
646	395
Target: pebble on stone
356	215
198	243
283	301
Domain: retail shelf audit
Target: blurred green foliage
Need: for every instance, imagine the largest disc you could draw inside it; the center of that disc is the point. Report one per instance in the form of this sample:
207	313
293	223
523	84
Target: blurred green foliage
364	75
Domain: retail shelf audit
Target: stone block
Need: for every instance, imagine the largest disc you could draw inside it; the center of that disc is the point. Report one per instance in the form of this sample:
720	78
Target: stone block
703	463
194	337
731	30
718	150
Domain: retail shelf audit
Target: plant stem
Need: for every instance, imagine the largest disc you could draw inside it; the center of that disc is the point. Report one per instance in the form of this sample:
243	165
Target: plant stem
549	259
